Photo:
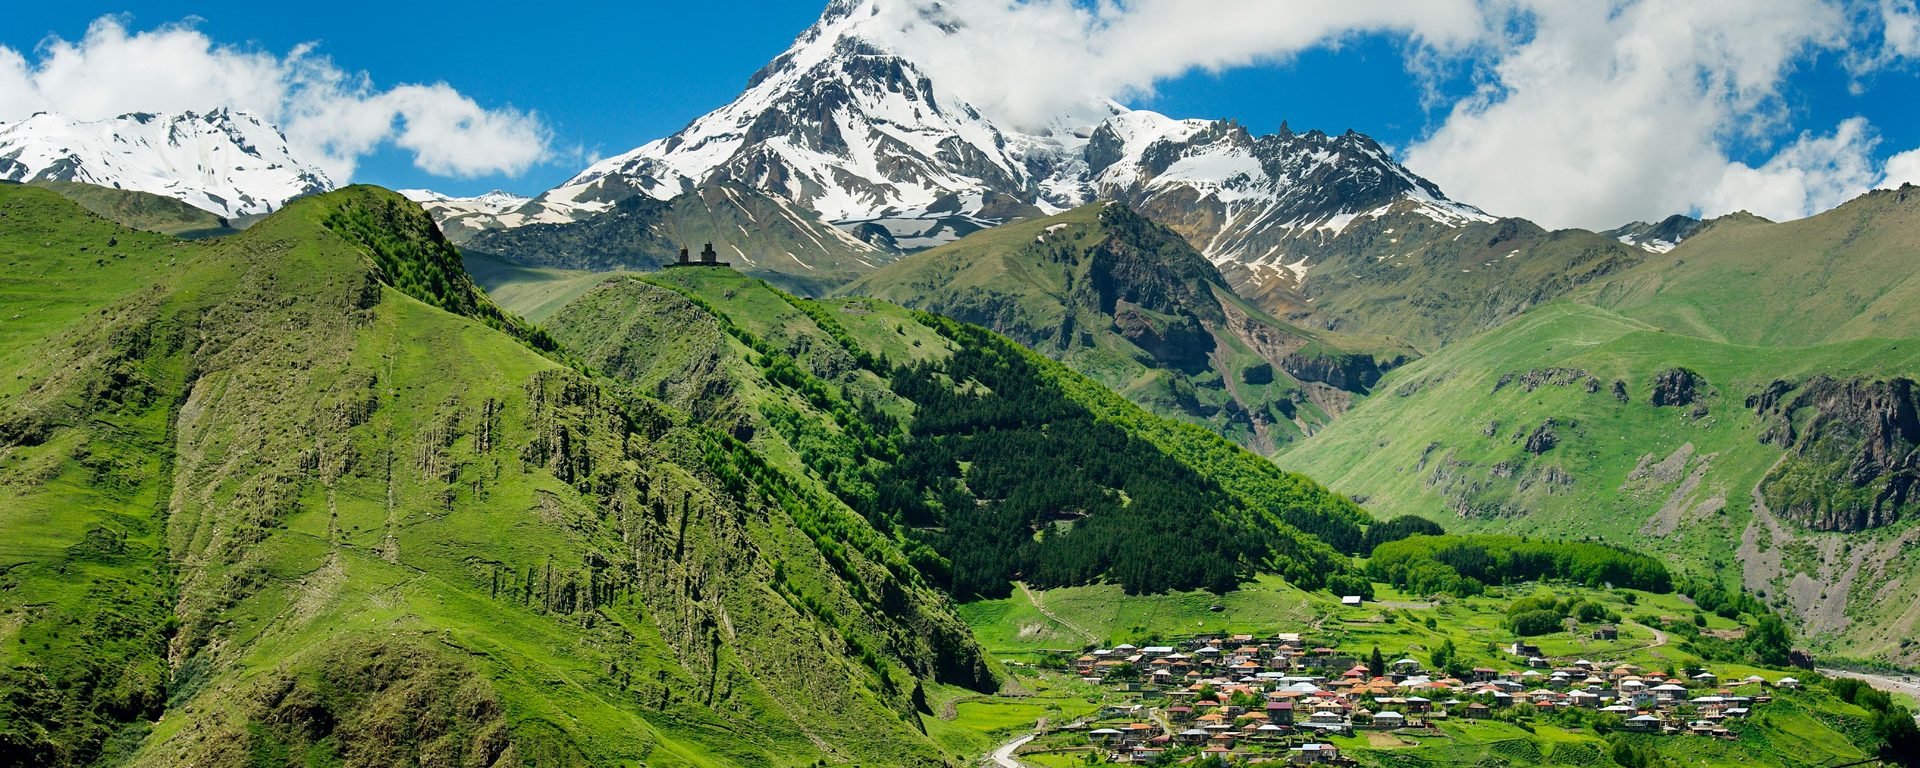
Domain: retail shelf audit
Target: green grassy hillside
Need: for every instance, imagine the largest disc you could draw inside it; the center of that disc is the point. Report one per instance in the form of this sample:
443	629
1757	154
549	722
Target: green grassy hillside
1403	275
1737	406
1131	305
983	461
303	496
1843	275
143	211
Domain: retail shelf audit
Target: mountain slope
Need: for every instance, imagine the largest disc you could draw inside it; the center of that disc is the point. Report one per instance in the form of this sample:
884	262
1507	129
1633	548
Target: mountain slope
1842	275
143	211
229	162
1130	304
842	124
762	234
314	499
462	217
1426	282
986	462
1743	406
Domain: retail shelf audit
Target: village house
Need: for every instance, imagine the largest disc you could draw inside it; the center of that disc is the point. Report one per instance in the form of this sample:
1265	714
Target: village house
1308	754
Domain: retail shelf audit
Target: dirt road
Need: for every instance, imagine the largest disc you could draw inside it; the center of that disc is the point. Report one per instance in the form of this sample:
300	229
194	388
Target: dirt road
1035	600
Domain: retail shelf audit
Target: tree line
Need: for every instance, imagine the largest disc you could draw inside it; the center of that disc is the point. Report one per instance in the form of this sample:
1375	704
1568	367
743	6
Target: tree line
1467	565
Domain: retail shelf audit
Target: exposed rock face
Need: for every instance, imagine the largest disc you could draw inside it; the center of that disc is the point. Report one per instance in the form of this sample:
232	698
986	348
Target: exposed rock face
1177	342
1353	373
1143	264
1543	439
1541	377
1676	387
1853	449
1620	390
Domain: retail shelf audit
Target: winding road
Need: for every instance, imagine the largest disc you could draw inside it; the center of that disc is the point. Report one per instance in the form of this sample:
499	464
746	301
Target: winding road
1003	756
1883	682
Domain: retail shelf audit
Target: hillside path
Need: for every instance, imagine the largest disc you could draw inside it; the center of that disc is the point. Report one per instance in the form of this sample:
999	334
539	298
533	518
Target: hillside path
1035	600
1659	637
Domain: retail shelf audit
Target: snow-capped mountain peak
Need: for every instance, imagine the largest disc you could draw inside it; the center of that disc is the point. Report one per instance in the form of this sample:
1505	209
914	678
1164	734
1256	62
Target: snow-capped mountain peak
839	123
846	124
230	162
495	202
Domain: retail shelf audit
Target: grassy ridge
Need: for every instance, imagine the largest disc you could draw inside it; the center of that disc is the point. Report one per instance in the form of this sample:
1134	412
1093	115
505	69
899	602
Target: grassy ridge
143	211
285	470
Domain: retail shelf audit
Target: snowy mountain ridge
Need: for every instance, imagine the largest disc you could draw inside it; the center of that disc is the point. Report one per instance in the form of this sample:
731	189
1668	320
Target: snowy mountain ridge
230	162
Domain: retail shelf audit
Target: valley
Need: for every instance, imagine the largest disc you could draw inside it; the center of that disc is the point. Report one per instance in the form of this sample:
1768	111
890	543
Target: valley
892	415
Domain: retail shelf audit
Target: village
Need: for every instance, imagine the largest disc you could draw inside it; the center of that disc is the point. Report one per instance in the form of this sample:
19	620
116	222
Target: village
1278	699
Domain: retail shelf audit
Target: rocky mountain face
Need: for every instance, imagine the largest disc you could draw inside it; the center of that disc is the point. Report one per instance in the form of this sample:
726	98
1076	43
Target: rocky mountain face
1853	451
462	217
230	162
842	125
1246	199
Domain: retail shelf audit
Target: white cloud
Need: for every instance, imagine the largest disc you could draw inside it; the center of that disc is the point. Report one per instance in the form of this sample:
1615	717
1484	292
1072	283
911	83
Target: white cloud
1903	168
1029	61
1813	174
1604	113
1899	25
1902	22
331	115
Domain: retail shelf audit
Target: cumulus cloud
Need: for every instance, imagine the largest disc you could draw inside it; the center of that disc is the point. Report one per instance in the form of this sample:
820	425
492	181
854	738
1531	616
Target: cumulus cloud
1903	168
1899	23
1581	113
1810	175
1605	113
331	115
1027	62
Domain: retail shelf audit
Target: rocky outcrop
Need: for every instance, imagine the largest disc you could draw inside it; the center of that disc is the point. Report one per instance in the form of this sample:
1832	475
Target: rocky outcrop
1177	342
1853	451
1541	377
1543	438
1353	373
1677	387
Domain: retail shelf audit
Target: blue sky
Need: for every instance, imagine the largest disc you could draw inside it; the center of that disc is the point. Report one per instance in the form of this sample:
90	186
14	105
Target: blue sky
606	79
